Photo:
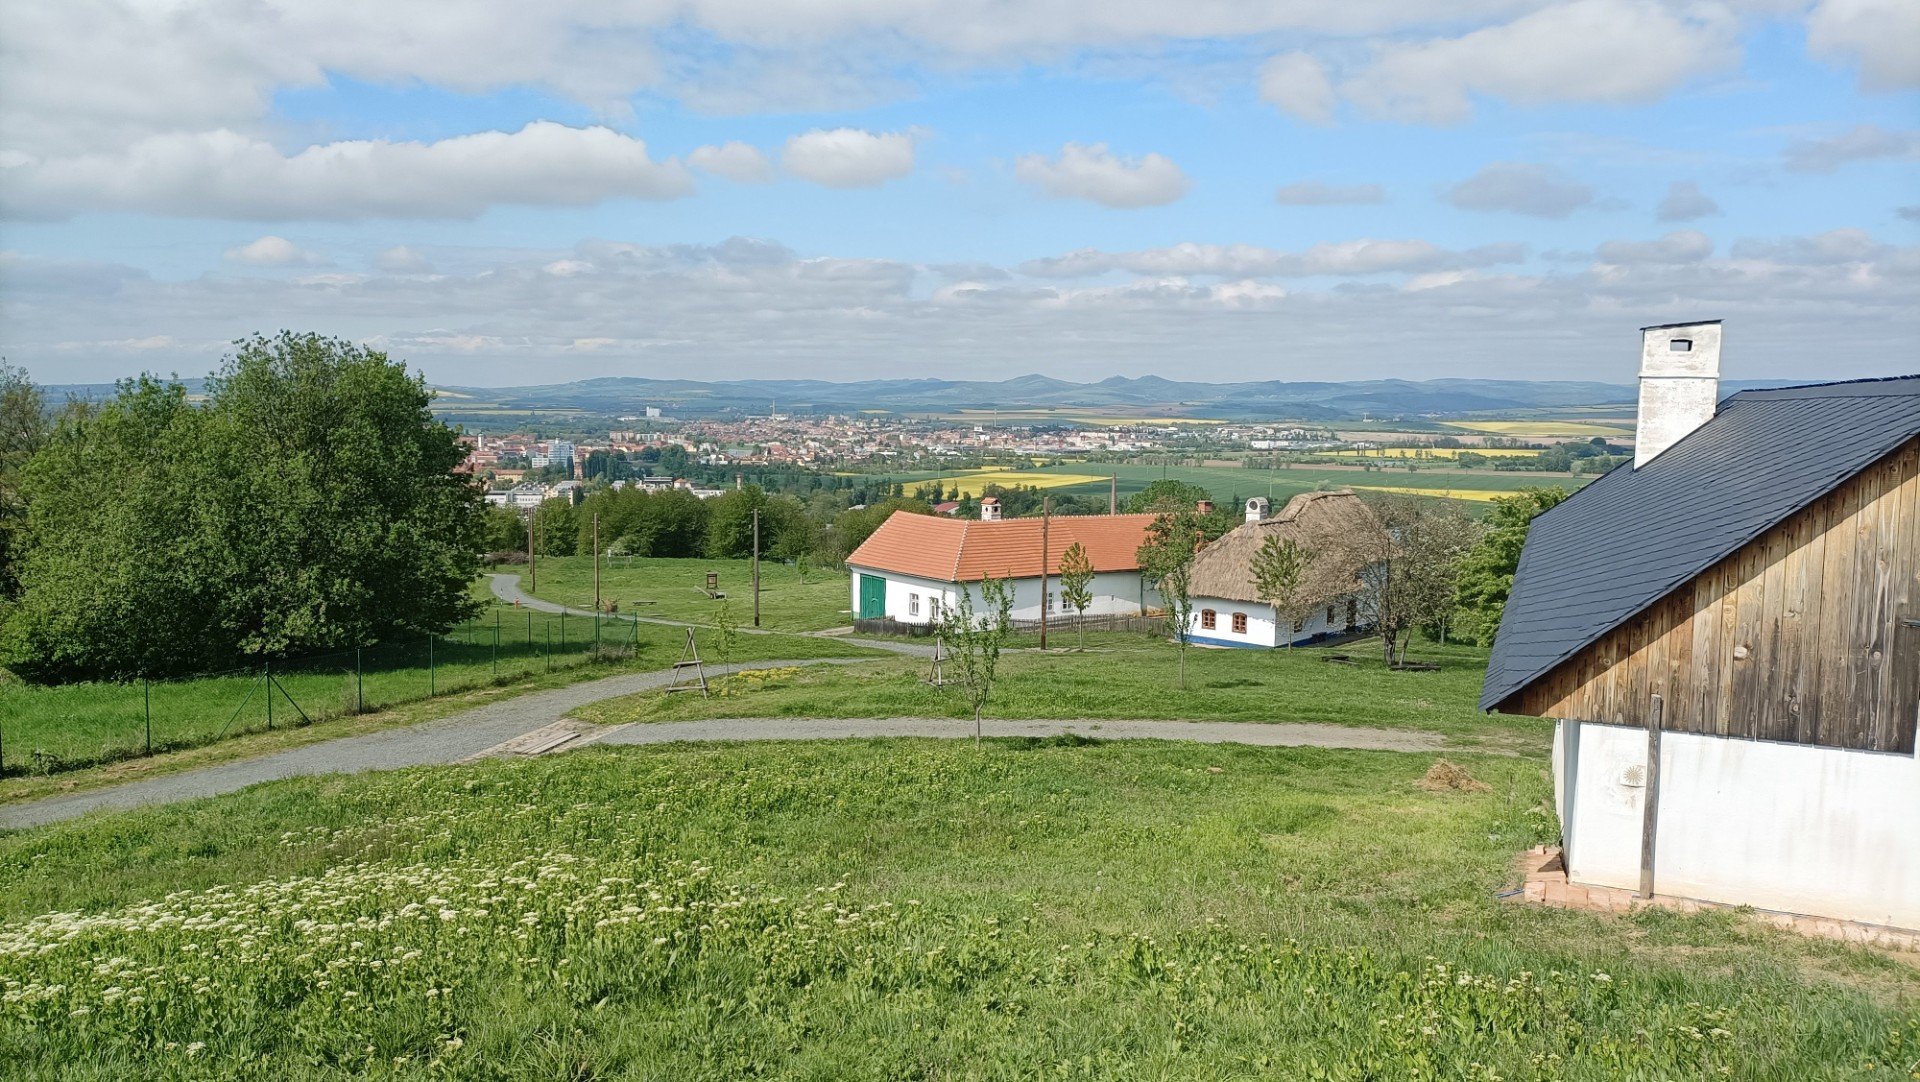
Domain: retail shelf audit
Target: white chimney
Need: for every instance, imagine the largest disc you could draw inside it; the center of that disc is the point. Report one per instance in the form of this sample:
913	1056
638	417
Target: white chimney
1257	509
989	509
1679	384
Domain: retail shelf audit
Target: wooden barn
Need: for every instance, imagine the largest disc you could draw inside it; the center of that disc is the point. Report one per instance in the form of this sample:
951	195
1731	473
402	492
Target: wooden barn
1336	528
1729	634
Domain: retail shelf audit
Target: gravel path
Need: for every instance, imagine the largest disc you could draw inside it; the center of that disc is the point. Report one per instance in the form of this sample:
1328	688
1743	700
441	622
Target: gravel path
1256	733
447	740
507	588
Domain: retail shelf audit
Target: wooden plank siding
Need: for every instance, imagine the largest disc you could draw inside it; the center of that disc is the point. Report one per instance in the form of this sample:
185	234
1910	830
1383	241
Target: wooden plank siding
1800	635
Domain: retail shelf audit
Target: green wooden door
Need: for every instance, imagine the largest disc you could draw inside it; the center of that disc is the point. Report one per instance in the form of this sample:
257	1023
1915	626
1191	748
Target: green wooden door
873	597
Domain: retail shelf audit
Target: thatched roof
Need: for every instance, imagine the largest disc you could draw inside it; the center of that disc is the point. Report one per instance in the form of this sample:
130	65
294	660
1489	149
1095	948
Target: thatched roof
1339	531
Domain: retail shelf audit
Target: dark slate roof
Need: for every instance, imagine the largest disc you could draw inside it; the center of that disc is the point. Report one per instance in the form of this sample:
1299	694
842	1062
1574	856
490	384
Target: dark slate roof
1634	536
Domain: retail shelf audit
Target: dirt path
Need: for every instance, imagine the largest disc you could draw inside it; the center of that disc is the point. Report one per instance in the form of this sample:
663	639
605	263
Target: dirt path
1258	734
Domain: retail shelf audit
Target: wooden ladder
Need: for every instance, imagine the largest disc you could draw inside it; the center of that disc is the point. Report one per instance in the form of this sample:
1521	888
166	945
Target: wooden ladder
689	662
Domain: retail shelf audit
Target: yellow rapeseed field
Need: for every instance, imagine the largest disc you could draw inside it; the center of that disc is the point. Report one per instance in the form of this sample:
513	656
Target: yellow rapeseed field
974	482
1542	429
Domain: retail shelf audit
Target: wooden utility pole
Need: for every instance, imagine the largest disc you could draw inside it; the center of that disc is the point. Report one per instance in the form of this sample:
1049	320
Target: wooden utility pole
1046	508
596	564
1113	494
756	567
1650	806
533	569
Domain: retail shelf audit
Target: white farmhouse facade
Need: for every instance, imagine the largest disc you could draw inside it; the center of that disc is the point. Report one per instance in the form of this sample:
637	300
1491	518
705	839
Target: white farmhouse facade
915	567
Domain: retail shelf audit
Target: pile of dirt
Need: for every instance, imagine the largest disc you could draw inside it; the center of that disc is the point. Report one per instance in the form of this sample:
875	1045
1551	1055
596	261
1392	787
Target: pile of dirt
1445	776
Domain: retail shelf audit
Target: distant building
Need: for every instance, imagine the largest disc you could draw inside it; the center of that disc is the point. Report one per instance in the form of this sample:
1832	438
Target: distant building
527	496
653	413
1341	535
915	566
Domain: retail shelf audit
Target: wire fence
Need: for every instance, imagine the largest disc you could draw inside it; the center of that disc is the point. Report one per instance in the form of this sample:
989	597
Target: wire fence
47	729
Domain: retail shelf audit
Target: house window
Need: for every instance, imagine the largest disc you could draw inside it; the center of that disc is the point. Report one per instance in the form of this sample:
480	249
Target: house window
933	608
913	604
1329	615
1049	600
1206	619
1239	623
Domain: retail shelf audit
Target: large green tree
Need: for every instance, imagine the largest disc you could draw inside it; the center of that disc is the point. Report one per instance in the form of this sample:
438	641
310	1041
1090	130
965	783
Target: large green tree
1487	570
310	503
23	429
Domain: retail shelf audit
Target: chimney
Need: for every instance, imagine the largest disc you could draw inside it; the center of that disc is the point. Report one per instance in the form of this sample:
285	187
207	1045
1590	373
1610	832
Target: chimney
1205	507
1679	384
739	481
989	509
1257	509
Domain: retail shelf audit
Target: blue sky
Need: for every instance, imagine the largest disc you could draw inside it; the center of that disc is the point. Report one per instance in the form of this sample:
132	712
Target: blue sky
1217	190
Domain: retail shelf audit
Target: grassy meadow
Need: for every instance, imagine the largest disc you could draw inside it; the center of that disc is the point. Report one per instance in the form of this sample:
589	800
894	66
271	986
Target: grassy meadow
676	589
1127	676
891	909
50	729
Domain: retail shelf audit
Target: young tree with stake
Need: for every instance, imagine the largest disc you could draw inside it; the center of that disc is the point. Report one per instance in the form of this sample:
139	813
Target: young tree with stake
1076	584
1167	560
974	641
1279	571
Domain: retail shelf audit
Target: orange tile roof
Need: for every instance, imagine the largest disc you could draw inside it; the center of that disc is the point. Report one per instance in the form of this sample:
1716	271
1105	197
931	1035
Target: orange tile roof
962	550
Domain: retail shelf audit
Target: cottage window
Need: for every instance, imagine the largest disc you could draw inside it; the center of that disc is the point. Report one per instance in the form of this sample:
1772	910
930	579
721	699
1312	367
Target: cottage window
1329	615
1239	623
1206	620
913	604
1049	600
933	608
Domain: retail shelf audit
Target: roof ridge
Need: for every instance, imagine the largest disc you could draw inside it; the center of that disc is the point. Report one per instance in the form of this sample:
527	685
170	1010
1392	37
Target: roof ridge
1834	385
960	550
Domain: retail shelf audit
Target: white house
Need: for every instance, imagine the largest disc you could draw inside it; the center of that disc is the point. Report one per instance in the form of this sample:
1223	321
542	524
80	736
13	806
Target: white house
1339	535
915	566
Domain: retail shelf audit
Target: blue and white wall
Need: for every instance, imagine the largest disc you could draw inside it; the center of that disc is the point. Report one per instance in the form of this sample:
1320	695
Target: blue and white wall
1263	627
910	598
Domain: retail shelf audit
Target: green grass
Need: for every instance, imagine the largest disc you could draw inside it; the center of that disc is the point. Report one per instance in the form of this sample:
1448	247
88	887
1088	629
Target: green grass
66	727
676	590
886	910
1131	676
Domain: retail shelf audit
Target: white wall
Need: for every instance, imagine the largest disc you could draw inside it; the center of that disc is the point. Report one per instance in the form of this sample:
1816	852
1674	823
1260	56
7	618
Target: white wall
1263	627
1820	831
1114	593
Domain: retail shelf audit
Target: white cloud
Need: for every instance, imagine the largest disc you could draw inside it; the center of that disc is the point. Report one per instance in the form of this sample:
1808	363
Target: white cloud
1882	35
1613	52
1684	202
272	251
1863	142
1834	247
1344	258
1521	188
734	160
401	259
752	308
849	157
1297	83
223	174
1094	173
1679	246
1313	193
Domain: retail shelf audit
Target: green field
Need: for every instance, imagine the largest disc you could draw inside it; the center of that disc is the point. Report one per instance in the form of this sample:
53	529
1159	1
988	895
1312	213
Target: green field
676	590
1134	676
1232	485
57	728
886	910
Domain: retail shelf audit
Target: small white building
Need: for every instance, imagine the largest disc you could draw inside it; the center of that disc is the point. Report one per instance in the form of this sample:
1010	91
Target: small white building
1339	536
914	566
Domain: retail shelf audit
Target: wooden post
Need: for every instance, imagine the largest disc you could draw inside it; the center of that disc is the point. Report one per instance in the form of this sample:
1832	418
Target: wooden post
756	567
1113	494
1650	807
533	569
596	565
1046	506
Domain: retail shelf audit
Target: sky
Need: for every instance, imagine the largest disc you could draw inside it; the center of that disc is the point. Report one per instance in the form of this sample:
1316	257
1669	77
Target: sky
505	193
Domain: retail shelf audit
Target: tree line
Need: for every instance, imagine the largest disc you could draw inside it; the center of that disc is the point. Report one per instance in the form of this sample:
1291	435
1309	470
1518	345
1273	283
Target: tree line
306	501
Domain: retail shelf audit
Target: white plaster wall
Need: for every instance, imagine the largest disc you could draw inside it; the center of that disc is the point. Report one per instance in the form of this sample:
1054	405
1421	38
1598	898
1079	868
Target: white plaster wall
1114	593
1821	831
1263	627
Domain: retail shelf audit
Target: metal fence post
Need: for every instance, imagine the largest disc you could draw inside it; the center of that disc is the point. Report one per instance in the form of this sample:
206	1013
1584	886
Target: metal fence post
266	680
563	630
496	643
146	688
359	685
432	685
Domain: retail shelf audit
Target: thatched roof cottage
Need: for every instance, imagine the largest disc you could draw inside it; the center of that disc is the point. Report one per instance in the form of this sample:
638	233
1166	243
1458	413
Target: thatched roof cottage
1336	528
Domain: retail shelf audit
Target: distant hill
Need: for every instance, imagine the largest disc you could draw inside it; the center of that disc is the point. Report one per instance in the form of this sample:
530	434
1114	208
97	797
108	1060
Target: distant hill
1145	396
1119	396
